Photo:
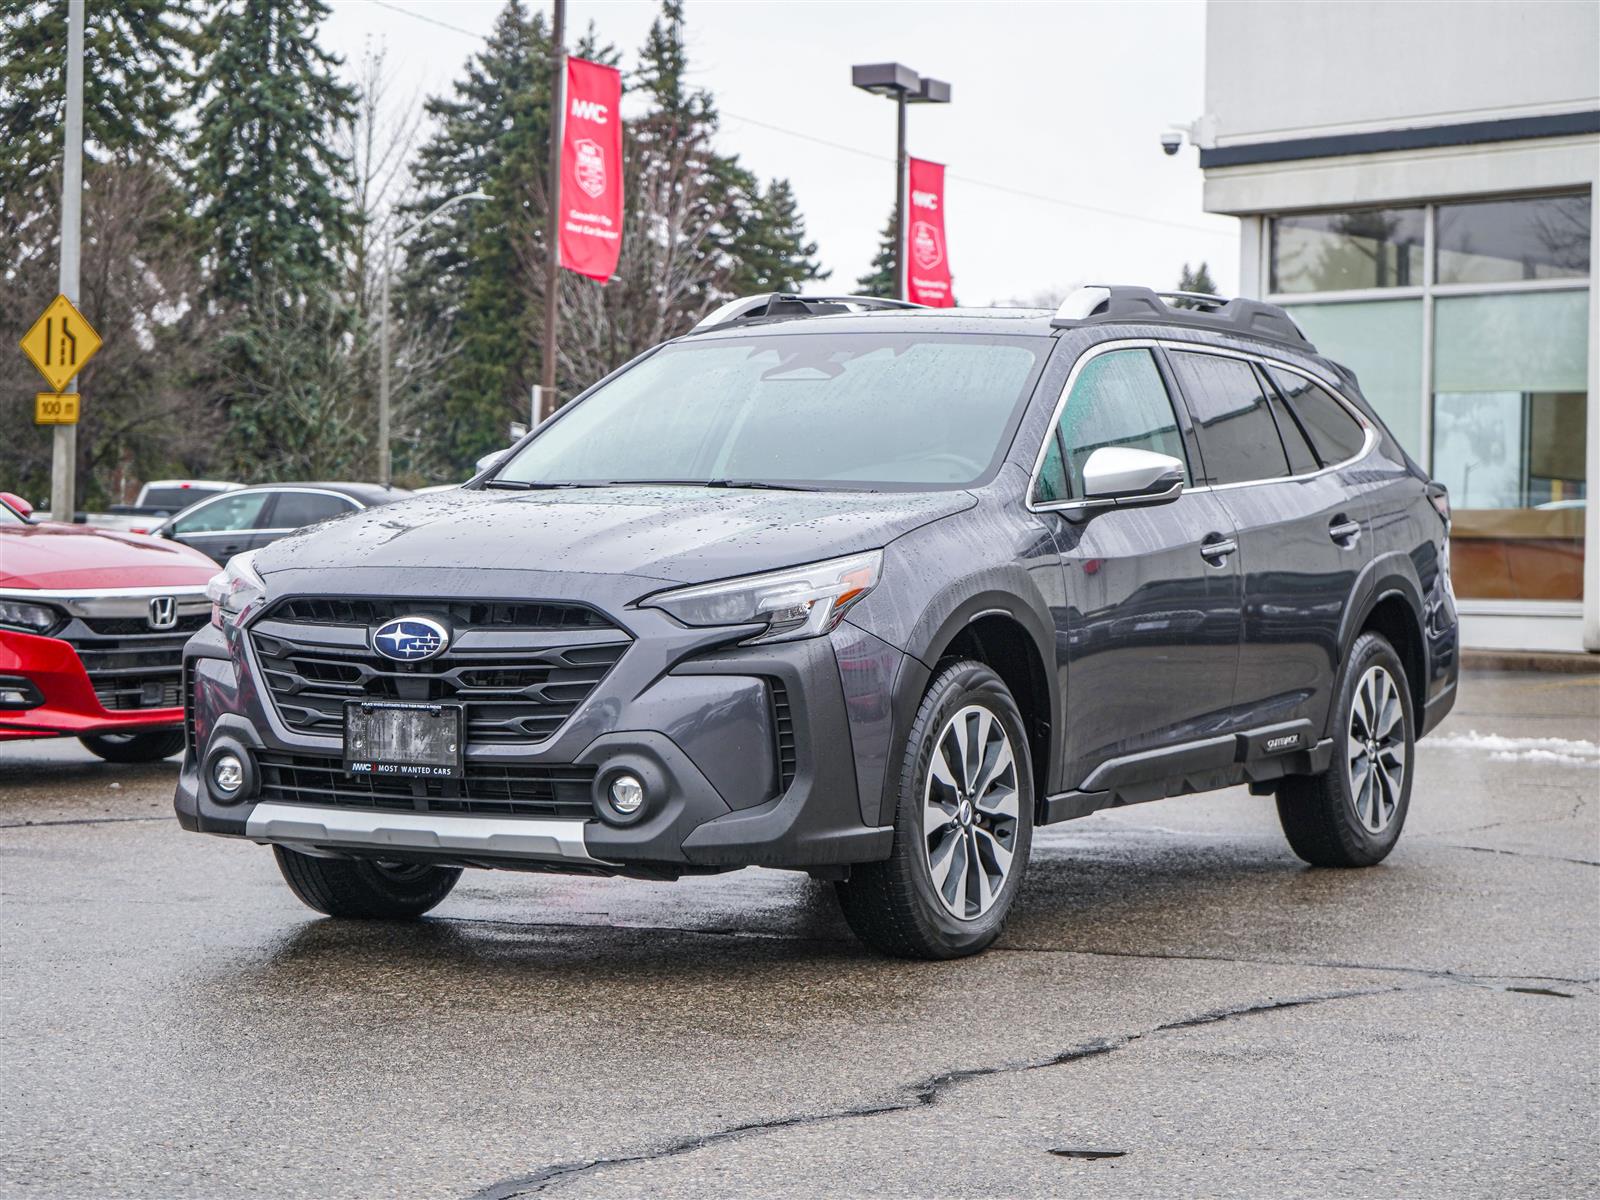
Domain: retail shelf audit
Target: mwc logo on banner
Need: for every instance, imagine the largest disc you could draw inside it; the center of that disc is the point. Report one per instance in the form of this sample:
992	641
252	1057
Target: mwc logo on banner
927	263
591	171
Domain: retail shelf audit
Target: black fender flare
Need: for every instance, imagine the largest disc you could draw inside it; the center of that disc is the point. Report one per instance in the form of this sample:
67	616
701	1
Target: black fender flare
1388	574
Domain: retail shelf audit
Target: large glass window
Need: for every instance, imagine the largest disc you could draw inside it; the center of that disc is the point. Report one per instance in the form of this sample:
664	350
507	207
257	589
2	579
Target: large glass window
844	410
1341	251
1381	341
1119	399
1495	241
1238	437
1509	439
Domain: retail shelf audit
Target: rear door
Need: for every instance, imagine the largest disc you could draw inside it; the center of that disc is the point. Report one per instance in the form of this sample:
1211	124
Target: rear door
1301	542
1153	594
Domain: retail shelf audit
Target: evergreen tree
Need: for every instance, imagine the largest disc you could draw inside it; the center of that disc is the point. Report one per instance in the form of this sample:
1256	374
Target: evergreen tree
772	251
880	280
136	58
272	189
1198	280
474	275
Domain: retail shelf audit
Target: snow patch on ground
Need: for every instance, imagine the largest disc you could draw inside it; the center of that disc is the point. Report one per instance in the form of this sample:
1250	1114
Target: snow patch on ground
1566	752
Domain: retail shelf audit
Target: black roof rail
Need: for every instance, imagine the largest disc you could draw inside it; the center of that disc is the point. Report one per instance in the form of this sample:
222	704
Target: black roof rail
1093	304
790	304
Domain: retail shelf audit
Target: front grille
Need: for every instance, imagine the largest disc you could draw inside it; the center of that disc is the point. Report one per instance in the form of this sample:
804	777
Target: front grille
517	790
132	626
461	614
783	734
518	683
132	672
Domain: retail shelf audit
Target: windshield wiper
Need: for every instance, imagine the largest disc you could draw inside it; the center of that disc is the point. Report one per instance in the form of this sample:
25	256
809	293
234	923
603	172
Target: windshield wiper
523	485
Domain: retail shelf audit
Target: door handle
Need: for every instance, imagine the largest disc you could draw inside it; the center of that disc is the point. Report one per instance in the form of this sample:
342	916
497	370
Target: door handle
1215	549
1344	532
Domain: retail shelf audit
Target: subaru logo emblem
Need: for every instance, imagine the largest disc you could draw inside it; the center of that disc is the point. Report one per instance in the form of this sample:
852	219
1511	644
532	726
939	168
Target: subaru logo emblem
163	612
410	639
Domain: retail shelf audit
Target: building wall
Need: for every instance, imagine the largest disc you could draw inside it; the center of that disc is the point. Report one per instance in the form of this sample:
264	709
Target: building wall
1297	68
1370	76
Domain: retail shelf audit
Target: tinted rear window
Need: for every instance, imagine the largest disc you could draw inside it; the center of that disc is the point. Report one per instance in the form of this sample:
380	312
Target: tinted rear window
1334	433
847	410
1238	437
306	508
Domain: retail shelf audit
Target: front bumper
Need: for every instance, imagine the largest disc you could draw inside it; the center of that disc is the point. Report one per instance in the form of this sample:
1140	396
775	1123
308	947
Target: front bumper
750	755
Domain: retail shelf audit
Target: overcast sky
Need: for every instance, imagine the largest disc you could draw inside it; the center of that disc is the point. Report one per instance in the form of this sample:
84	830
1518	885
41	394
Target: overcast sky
1062	101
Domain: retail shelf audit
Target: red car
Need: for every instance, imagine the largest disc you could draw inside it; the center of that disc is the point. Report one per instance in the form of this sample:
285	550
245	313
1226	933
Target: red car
92	627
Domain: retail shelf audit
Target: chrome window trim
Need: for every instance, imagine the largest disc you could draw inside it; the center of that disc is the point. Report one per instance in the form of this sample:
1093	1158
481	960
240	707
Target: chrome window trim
271	490
1093	352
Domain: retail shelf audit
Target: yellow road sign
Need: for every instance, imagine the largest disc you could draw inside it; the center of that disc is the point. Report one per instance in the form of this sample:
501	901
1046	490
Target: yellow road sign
55	408
60	342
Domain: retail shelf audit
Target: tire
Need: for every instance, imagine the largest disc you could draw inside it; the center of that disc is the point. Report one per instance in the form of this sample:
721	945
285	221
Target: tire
1351	814
896	906
364	889
134	747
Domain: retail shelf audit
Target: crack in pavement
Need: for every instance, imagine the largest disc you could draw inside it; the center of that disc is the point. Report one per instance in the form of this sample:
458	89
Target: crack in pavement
1582	862
81	821
920	1094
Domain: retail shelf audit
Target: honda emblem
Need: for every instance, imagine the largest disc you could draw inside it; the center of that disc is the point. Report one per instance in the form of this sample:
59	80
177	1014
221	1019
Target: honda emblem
163	612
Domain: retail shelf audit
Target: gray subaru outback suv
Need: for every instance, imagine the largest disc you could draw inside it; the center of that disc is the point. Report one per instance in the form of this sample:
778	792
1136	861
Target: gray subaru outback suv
845	586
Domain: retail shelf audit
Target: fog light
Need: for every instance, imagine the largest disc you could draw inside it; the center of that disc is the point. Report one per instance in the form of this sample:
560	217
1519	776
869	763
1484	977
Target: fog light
227	773
626	794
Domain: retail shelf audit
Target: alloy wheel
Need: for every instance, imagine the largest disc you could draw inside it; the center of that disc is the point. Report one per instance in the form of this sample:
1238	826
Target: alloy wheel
1376	749
970	812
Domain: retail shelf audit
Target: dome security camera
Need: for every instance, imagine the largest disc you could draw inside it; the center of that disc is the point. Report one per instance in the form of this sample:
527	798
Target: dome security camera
1171	141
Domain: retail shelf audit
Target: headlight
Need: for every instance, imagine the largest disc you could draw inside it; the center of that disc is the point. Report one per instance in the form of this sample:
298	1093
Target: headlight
234	589
800	602
27	618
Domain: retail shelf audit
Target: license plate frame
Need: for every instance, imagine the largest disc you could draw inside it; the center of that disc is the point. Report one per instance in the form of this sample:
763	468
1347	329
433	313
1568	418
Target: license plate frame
405	739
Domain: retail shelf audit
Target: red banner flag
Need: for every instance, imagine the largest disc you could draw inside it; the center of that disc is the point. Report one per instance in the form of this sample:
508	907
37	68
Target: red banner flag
591	170
927	261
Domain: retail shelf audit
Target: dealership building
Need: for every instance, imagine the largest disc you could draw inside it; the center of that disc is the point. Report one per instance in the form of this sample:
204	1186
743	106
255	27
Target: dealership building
1416	183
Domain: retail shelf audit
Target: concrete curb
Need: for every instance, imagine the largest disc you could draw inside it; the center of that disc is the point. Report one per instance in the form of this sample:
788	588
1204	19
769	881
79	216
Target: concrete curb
1531	660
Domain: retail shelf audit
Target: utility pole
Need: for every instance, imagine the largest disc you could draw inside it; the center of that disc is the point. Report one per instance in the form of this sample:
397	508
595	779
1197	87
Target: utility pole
552	226
64	452
901	171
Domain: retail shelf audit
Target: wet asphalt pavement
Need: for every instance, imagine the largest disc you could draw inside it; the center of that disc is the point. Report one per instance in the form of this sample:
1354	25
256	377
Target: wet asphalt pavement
1179	1007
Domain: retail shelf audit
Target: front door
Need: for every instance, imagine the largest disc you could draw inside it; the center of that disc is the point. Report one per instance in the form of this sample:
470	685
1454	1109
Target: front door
1151	630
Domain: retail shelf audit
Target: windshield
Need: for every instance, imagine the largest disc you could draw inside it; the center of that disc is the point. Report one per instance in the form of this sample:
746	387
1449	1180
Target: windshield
8	517
839	410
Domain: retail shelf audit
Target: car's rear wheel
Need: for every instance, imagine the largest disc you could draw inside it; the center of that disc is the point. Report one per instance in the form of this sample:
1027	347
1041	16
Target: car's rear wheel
963	825
365	888
1351	814
134	747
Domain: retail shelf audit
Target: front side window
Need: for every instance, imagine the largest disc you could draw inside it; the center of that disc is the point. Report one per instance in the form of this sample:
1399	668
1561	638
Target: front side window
1119	399
1238	437
855	411
229	513
1341	251
307	508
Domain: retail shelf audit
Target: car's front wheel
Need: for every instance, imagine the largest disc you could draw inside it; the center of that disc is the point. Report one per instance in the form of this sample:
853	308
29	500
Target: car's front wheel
1351	814
963	825
365	888
134	747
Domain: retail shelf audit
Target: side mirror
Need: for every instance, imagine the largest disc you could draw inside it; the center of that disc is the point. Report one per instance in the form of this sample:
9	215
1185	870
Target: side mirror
14	501
1124	476
489	460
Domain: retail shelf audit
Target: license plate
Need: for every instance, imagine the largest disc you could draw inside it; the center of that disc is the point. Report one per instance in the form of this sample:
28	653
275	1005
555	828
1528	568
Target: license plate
403	739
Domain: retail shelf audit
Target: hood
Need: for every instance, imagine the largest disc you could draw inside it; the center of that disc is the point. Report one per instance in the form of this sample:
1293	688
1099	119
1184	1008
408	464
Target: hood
55	556
677	534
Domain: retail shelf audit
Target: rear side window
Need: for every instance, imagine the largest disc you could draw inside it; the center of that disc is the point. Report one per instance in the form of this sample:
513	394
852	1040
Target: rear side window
1334	433
1238	437
1296	444
306	508
1119	399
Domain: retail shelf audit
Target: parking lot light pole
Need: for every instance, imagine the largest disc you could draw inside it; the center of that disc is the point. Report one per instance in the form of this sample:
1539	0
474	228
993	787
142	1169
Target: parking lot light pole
904	86
390	242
